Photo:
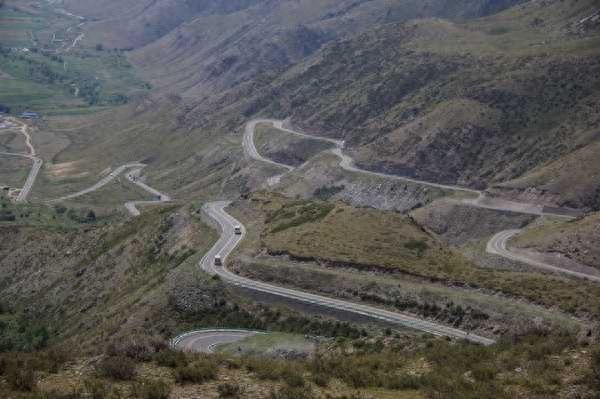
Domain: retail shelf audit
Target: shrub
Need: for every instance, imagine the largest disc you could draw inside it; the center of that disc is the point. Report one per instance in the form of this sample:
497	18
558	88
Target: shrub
117	367
151	389
321	379
287	392
266	369
96	389
418	246
140	348
21	376
59	209
292	377
326	192
7	216
199	372
230	390
55	357
171	358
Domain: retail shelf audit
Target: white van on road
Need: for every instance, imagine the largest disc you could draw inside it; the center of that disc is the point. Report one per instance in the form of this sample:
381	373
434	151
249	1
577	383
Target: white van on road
218	260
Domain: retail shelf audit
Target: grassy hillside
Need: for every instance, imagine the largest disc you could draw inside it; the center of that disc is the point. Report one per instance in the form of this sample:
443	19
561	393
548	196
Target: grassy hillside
341	236
574	240
477	103
382	367
285	147
98	271
250	43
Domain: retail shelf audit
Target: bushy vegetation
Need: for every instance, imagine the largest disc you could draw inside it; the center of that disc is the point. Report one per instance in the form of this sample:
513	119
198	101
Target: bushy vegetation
18	333
230	390
198	372
151	389
533	364
325	193
370	239
117	367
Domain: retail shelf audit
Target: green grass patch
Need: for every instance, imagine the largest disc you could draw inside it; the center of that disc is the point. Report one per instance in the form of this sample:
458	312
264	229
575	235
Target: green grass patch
298	214
272	343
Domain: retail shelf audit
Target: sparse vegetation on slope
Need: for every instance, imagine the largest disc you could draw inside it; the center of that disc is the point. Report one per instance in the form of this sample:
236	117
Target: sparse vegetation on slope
531	365
468	103
285	148
369	239
576	240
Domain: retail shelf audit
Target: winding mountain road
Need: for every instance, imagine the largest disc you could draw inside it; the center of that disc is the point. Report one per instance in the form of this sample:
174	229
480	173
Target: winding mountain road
228	241
134	177
496	246
348	164
206	341
101	183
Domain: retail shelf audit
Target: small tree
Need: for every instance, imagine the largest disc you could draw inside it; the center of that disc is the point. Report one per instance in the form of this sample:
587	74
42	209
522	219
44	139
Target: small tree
99	47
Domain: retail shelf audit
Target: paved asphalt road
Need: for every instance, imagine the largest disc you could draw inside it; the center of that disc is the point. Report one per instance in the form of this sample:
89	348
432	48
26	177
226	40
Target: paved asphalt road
103	182
498	246
37	162
229	240
206	341
134	177
347	163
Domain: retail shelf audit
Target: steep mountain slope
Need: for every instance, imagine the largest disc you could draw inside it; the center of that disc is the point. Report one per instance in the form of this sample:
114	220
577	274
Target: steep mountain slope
134	23
80	281
126	24
478	103
260	39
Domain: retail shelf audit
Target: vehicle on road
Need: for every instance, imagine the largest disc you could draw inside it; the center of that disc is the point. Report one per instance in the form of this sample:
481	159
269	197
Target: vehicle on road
237	230
218	260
